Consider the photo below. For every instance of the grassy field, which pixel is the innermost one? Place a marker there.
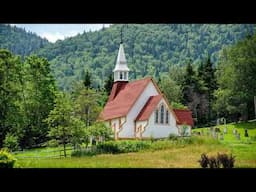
(169, 156)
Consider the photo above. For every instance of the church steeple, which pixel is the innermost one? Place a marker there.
(121, 71)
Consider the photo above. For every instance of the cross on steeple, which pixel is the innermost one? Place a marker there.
(121, 34)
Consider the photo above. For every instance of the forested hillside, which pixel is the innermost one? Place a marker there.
(19, 41)
(150, 49)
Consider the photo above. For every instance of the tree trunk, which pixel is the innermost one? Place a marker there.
(64, 145)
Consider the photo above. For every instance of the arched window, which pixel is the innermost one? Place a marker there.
(156, 116)
(121, 75)
(167, 117)
(162, 114)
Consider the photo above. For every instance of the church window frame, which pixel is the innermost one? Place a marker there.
(156, 116)
(162, 109)
(167, 116)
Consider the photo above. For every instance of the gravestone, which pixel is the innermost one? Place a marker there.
(215, 135)
(246, 132)
(221, 136)
(225, 130)
(238, 136)
(234, 132)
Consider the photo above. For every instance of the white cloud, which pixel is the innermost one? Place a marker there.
(54, 32)
(52, 37)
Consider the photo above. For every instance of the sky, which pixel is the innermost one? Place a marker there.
(54, 32)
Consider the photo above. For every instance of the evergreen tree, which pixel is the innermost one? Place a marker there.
(108, 84)
(87, 80)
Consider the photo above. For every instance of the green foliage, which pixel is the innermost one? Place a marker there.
(178, 105)
(7, 160)
(26, 97)
(64, 127)
(38, 94)
(19, 41)
(87, 80)
(87, 104)
(151, 49)
(108, 84)
(53, 143)
(170, 89)
(100, 130)
(81, 153)
(122, 146)
(10, 89)
(11, 142)
(236, 78)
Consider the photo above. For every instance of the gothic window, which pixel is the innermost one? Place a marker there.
(162, 114)
(156, 116)
(167, 117)
(121, 75)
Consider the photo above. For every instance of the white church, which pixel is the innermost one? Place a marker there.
(138, 109)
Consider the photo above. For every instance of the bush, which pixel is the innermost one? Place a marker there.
(227, 162)
(122, 146)
(53, 143)
(11, 142)
(204, 161)
(172, 136)
(86, 152)
(222, 160)
(6, 159)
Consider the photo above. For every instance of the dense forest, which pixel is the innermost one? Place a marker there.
(19, 41)
(151, 49)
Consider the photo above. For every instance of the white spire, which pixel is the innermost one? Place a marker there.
(121, 63)
(121, 69)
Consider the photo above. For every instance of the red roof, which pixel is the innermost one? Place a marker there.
(116, 88)
(149, 107)
(184, 116)
(122, 98)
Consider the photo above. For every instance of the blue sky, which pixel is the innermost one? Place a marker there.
(54, 32)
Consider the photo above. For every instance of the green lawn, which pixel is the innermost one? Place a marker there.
(165, 155)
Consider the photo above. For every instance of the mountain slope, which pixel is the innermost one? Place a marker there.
(19, 41)
(150, 48)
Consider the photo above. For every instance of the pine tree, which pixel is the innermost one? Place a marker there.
(87, 80)
(108, 84)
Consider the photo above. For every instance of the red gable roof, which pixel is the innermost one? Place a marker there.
(149, 107)
(184, 116)
(122, 98)
(117, 86)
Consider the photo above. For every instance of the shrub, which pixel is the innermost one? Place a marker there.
(108, 147)
(6, 159)
(86, 152)
(226, 161)
(11, 142)
(216, 162)
(172, 136)
(213, 162)
(204, 160)
(53, 143)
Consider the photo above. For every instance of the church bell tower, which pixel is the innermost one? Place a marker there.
(121, 71)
